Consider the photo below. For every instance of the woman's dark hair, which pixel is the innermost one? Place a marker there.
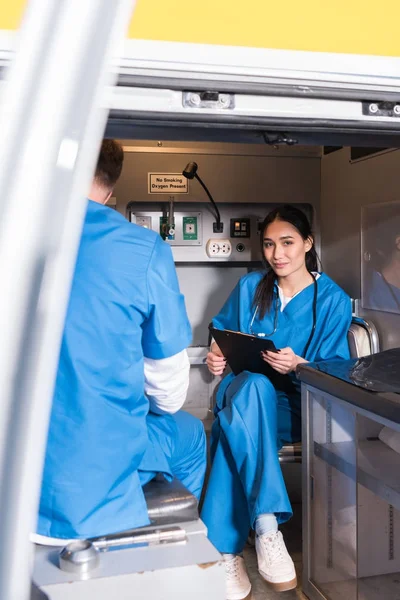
(264, 295)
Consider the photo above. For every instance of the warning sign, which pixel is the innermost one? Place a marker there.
(168, 183)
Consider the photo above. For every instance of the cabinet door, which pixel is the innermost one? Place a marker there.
(332, 551)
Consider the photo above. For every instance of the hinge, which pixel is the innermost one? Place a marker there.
(381, 109)
(208, 100)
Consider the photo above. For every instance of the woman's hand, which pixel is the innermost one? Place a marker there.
(215, 361)
(284, 361)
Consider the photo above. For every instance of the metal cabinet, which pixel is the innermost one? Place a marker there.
(351, 491)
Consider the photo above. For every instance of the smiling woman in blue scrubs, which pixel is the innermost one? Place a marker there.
(307, 316)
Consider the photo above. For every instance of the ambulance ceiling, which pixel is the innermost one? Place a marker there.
(292, 134)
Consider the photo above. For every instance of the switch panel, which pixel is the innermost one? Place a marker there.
(240, 228)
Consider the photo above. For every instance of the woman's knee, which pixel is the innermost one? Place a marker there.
(253, 387)
(254, 380)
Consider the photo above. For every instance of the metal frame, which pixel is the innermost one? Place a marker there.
(285, 111)
(51, 126)
(260, 71)
(224, 149)
(371, 330)
(290, 453)
(308, 588)
(295, 89)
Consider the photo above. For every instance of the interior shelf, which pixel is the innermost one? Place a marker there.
(377, 466)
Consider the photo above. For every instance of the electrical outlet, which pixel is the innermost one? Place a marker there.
(225, 248)
(212, 248)
(218, 248)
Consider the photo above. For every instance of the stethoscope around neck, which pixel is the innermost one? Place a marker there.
(276, 312)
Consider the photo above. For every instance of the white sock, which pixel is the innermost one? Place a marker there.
(265, 523)
(228, 557)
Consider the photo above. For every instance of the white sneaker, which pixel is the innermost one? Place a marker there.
(238, 585)
(274, 562)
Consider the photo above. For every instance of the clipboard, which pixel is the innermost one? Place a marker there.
(242, 352)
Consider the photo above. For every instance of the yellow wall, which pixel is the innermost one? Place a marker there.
(347, 26)
(10, 13)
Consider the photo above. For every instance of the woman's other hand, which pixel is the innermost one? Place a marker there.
(283, 362)
(215, 361)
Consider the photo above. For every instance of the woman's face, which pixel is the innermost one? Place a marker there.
(284, 248)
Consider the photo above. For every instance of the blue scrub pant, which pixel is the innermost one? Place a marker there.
(178, 449)
(253, 421)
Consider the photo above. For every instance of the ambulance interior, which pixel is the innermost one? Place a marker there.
(315, 129)
(343, 187)
(345, 183)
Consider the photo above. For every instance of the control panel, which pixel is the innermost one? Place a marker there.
(185, 229)
(188, 229)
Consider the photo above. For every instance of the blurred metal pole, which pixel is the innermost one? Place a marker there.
(52, 118)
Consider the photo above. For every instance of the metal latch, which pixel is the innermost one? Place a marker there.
(82, 556)
(166, 535)
(381, 109)
(208, 100)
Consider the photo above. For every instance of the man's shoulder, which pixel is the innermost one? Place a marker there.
(114, 229)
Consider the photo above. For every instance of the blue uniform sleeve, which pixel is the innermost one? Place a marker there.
(166, 330)
(228, 317)
(334, 344)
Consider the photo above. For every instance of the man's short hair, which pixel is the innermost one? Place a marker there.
(109, 164)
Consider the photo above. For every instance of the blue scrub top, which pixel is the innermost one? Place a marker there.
(125, 305)
(295, 321)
